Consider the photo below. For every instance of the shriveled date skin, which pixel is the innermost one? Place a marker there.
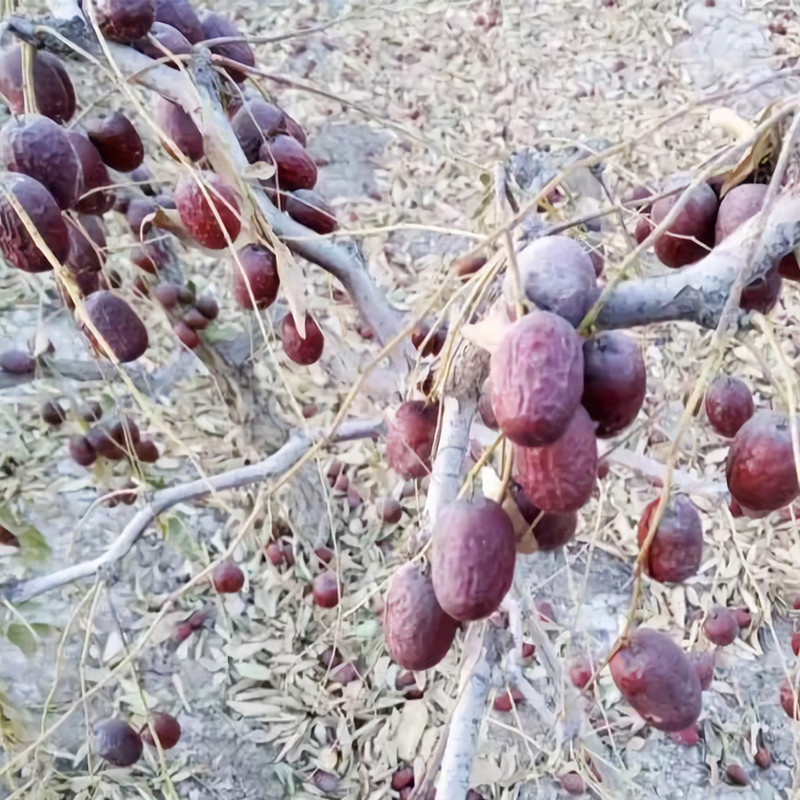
(16, 244)
(94, 177)
(559, 477)
(558, 275)
(180, 129)
(760, 468)
(540, 531)
(118, 324)
(536, 375)
(409, 439)
(472, 566)
(418, 632)
(52, 88)
(677, 545)
(115, 138)
(658, 680)
(125, 20)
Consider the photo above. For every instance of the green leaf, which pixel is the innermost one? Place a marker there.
(20, 636)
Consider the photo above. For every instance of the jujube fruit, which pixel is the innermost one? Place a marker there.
(472, 566)
(721, 626)
(52, 413)
(227, 578)
(123, 331)
(167, 730)
(729, 404)
(557, 275)
(656, 678)
(389, 510)
(254, 123)
(180, 130)
(167, 294)
(256, 273)
(125, 20)
(302, 349)
(691, 235)
(560, 477)
(168, 40)
(704, 664)
(117, 742)
(180, 15)
(580, 672)
(536, 376)
(195, 320)
(508, 699)
(325, 590)
(409, 439)
(762, 294)
(788, 700)
(115, 138)
(87, 244)
(146, 451)
(308, 208)
(677, 545)
(736, 775)
(81, 451)
(208, 307)
(549, 531)
(139, 216)
(418, 631)
(295, 130)
(614, 381)
(197, 215)
(186, 334)
(16, 362)
(429, 344)
(485, 406)
(40, 148)
(215, 26)
(96, 196)
(294, 167)
(760, 467)
(52, 88)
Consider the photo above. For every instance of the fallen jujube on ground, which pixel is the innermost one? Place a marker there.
(677, 545)
(472, 566)
(657, 679)
(418, 631)
(167, 730)
(721, 626)
(227, 578)
(536, 376)
(409, 438)
(117, 742)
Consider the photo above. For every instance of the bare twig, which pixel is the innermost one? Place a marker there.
(275, 464)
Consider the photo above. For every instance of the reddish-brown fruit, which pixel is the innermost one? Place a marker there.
(736, 775)
(118, 324)
(472, 566)
(466, 266)
(729, 404)
(703, 664)
(116, 742)
(7, 539)
(528, 650)
(580, 672)
(508, 699)
(258, 274)
(16, 362)
(763, 758)
(215, 26)
(16, 244)
(197, 215)
(168, 41)
(139, 216)
(96, 196)
(342, 483)
(560, 477)
(208, 307)
(789, 703)
(275, 552)
(677, 545)
(330, 658)
(81, 451)
(796, 603)
(100, 440)
(429, 344)
(254, 123)
(760, 468)
(796, 643)
(643, 228)
(180, 130)
(557, 275)
(721, 626)
(686, 738)
(324, 554)
(187, 336)
(195, 320)
(536, 376)
(92, 411)
(572, 783)
(409, 439)
(743, 618)
(614, 381)
(227, 578)
(403, 777)
(115, 138)
(346, 673)
(167, 730)
(326, 782)
(52, 413)
(146, 451)
(418, 631)
(305, 349)
(549, 531)
(87, 244)
(691, 235)
(546, 613)
(740, 204)
(52, 89)
(389, 510)
(294, 167)
(762, 294)
(186, 295)
(657, 679)
(326, 590)
(125, 20)
(149, 258)
(36, 146)
(167, 294)
(485, 406)
(295, 130)
(180, 15)
(308, 208)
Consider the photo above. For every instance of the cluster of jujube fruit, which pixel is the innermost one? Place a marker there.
(121, 745)
(62, 175)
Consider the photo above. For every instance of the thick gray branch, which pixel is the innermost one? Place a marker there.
(275, 464)
(698, 293)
